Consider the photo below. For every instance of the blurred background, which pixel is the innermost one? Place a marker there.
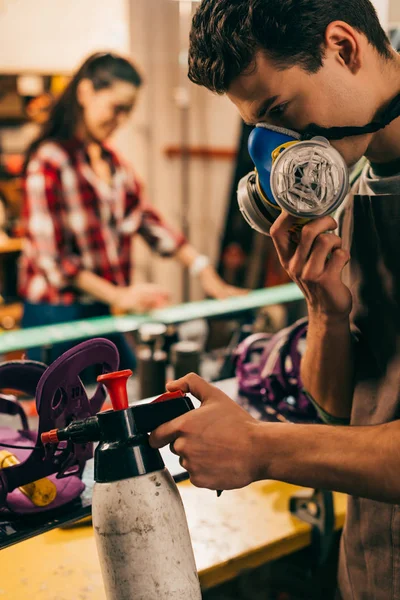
(188, 145)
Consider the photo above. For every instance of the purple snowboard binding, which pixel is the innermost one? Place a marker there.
(60, 399)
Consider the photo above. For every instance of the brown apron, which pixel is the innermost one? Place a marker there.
(370, 551)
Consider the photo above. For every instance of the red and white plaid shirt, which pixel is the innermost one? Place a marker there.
(74, 221)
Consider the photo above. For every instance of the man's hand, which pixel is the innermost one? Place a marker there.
(224, 448)
(216, 443)
(314, 259)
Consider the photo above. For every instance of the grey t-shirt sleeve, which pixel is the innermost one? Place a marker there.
(326, 417)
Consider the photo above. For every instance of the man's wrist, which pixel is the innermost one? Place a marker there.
(326, 321)
(263, 450)
(279, 451)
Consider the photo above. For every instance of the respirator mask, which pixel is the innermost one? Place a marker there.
(299, 173)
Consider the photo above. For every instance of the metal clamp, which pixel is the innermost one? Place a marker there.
(316, 508)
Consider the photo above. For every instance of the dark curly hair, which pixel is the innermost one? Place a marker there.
(226, 35)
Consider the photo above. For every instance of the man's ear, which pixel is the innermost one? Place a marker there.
(344, 41)
(84, 92)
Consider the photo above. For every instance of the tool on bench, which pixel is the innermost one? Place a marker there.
(138, 517)
(152, 359)
(316, 508)
(185, 358)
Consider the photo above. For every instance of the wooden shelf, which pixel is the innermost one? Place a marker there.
(11, 245)
(203, 152)
(12, 121)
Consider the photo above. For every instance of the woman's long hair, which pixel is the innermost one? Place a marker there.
(102, 69)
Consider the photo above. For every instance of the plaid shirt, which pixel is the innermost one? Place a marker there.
(75, 221)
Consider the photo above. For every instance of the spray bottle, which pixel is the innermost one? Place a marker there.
(139, 521)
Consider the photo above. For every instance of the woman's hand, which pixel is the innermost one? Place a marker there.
(141, 298)
(216, 443)
(314, 259)
(216, 287)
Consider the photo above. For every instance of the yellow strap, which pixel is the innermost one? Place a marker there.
(41, 492)
(281, 148)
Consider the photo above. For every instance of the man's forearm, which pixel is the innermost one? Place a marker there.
(360, 461)
(327, 368)
(95, 286)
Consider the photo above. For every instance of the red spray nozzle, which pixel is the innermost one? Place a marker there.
(50, 437)
(80, 432)
(169, 396)
(116, 386)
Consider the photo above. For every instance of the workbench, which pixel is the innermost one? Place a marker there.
(241, 530)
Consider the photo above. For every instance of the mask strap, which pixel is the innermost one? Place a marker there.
(391, 113)
(289, 132)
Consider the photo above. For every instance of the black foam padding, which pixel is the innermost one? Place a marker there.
(21, 375)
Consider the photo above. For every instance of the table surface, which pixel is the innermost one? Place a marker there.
(242, 529)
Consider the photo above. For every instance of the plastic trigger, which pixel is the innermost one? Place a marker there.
(168, 396)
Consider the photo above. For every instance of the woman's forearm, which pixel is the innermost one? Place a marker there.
(186, 255)
(96, 286)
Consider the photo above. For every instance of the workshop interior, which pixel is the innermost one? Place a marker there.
(100, 310)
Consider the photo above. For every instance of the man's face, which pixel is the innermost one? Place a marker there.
(294, 98)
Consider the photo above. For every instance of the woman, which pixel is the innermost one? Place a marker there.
(83, 206)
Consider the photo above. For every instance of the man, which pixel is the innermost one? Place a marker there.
(292, 63)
